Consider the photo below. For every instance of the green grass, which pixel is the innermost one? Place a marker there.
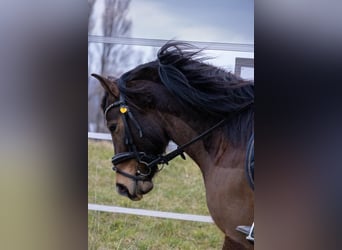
(177, 188)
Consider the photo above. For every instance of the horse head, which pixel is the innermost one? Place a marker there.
(138, 138)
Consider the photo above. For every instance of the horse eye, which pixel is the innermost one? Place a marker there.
(112, 127)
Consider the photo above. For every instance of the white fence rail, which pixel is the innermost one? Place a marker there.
(151, 213)
(142, 212)
(241, 47)
(99, 136)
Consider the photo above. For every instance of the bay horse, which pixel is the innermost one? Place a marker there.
(207, 111)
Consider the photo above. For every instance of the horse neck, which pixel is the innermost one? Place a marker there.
(181, 132)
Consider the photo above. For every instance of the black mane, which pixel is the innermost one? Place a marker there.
(209, 90)
(184, 73)
(193, 82)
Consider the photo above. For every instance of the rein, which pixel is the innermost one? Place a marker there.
(150, 161)
(179, 151)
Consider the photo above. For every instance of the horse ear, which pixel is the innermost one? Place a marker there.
(109, 85)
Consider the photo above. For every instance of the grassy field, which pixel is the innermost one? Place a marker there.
(178, 188)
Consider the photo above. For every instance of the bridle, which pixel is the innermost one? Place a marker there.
(151, 162)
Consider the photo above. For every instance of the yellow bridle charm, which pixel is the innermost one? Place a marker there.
(123, 109)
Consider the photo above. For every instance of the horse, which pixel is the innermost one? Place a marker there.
(207, 111)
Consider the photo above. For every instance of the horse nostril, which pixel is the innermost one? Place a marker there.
(121, 189)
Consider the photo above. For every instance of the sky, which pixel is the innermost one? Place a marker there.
(230, 21)
(212, 20)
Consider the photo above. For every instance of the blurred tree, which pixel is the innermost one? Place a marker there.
(115, 23)
(106, 18)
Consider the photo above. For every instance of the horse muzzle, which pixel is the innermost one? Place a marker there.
(134, 177)
(134, 190)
